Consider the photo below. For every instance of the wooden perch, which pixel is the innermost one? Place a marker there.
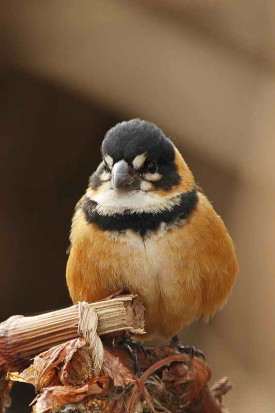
(71, 376)
(22, 338)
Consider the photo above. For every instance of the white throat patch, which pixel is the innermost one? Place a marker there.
(111, 201)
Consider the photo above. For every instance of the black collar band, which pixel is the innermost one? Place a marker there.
(142, 223)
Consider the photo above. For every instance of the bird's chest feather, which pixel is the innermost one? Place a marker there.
(140, 260)
(148, 266)
(155, 267)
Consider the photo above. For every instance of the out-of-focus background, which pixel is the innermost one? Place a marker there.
(204, 71)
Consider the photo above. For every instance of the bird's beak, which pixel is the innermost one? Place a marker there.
(123, 176)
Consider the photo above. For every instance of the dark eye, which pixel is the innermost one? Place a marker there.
(152, 167)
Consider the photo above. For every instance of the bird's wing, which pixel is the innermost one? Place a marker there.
(84, 279)
(214, 257)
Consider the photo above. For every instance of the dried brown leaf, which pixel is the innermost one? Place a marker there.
(78, 369)
(78, 363)
(176, 377)
(71, 364)
(56, 396)
(118, 372)
(199, 374)
(192, 379)
(15, 376)
(44, 372)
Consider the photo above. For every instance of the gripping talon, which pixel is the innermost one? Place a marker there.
(133, 346)
(192, 351)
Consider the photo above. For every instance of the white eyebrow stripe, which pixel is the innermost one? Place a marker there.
(152, 177)
(139, 161)
(109, 160)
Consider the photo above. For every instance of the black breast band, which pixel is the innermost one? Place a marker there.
(141, 222)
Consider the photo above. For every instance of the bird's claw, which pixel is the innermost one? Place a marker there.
(133, 346)
(190, 350)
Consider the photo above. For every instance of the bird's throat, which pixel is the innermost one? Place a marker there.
(140, 221)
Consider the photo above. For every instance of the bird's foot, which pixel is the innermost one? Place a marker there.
(133, 347)
(190, 350)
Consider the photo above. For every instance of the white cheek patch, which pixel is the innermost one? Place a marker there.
(109, 160)
(152, 177)
(139, 161)
(105, 176)
(146, 186)
(105, 187)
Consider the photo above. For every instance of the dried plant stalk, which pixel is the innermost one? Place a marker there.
(22, 338)
(70, 376)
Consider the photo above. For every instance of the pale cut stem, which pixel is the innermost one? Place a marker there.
(22, 338)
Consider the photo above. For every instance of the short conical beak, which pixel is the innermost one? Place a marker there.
(120, 173)
(123, 175)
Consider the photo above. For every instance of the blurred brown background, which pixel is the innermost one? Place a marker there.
(204, 71)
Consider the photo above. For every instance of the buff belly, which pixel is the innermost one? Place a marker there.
(155, 268)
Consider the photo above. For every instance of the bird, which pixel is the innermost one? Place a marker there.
(145, 227)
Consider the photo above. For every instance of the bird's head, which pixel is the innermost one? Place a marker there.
(141, 168)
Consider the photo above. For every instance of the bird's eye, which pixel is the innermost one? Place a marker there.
(152, 167)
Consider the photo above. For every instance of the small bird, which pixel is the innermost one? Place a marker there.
(143, 226)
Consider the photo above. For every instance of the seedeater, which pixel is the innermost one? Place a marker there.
(143, 226)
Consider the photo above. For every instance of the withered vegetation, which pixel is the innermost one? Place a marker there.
(71, 377)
